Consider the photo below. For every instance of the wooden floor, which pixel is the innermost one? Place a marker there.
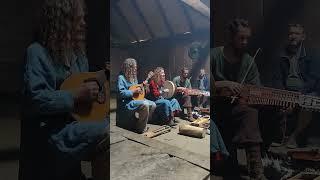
(127, 151)
(168, 156)
(133, 156)
(173, 153)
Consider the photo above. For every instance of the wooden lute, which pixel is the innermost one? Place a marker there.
(141, 95)
(99, 109)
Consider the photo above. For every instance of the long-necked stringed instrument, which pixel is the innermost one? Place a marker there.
(99, 109)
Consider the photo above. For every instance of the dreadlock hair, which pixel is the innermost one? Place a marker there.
(234, 26)
(297, 26)
(129, 71)
(184, 69)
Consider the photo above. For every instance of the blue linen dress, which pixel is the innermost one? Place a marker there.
(47, 111)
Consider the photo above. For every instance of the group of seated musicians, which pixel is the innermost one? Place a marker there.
(154, 108)
(232, 69)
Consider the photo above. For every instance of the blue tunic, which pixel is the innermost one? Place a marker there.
(48, 108)
(166, 107)
(126, 106)
(125, 95)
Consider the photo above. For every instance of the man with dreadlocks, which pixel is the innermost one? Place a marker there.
(166, 109)
(237, 122)
(53, 143)
(127, 107)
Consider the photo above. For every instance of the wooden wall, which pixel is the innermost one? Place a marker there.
(170, 54)
(179, 57)
(18, 22)
(117, 56)
(98, 36)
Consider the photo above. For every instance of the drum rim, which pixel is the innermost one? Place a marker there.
(172, 85)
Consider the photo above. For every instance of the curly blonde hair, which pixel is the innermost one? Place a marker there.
(157, 76)
(59, 28)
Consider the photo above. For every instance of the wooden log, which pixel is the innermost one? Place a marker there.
(192, 131)
(201, 122)
(157, 132)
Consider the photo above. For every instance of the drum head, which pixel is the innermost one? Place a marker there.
(171, 87)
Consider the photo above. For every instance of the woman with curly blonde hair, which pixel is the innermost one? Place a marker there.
(59, 142)
(166, 109)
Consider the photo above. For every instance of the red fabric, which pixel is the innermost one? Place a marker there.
(154, 89)
(218, 156)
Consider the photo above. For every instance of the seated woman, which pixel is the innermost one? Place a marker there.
(127, 107)
(165, 108)
(53, 143)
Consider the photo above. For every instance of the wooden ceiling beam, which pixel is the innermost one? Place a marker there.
(137, 8)
(165, 19)
(187, 15)
(198, 6)
(125, 20)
